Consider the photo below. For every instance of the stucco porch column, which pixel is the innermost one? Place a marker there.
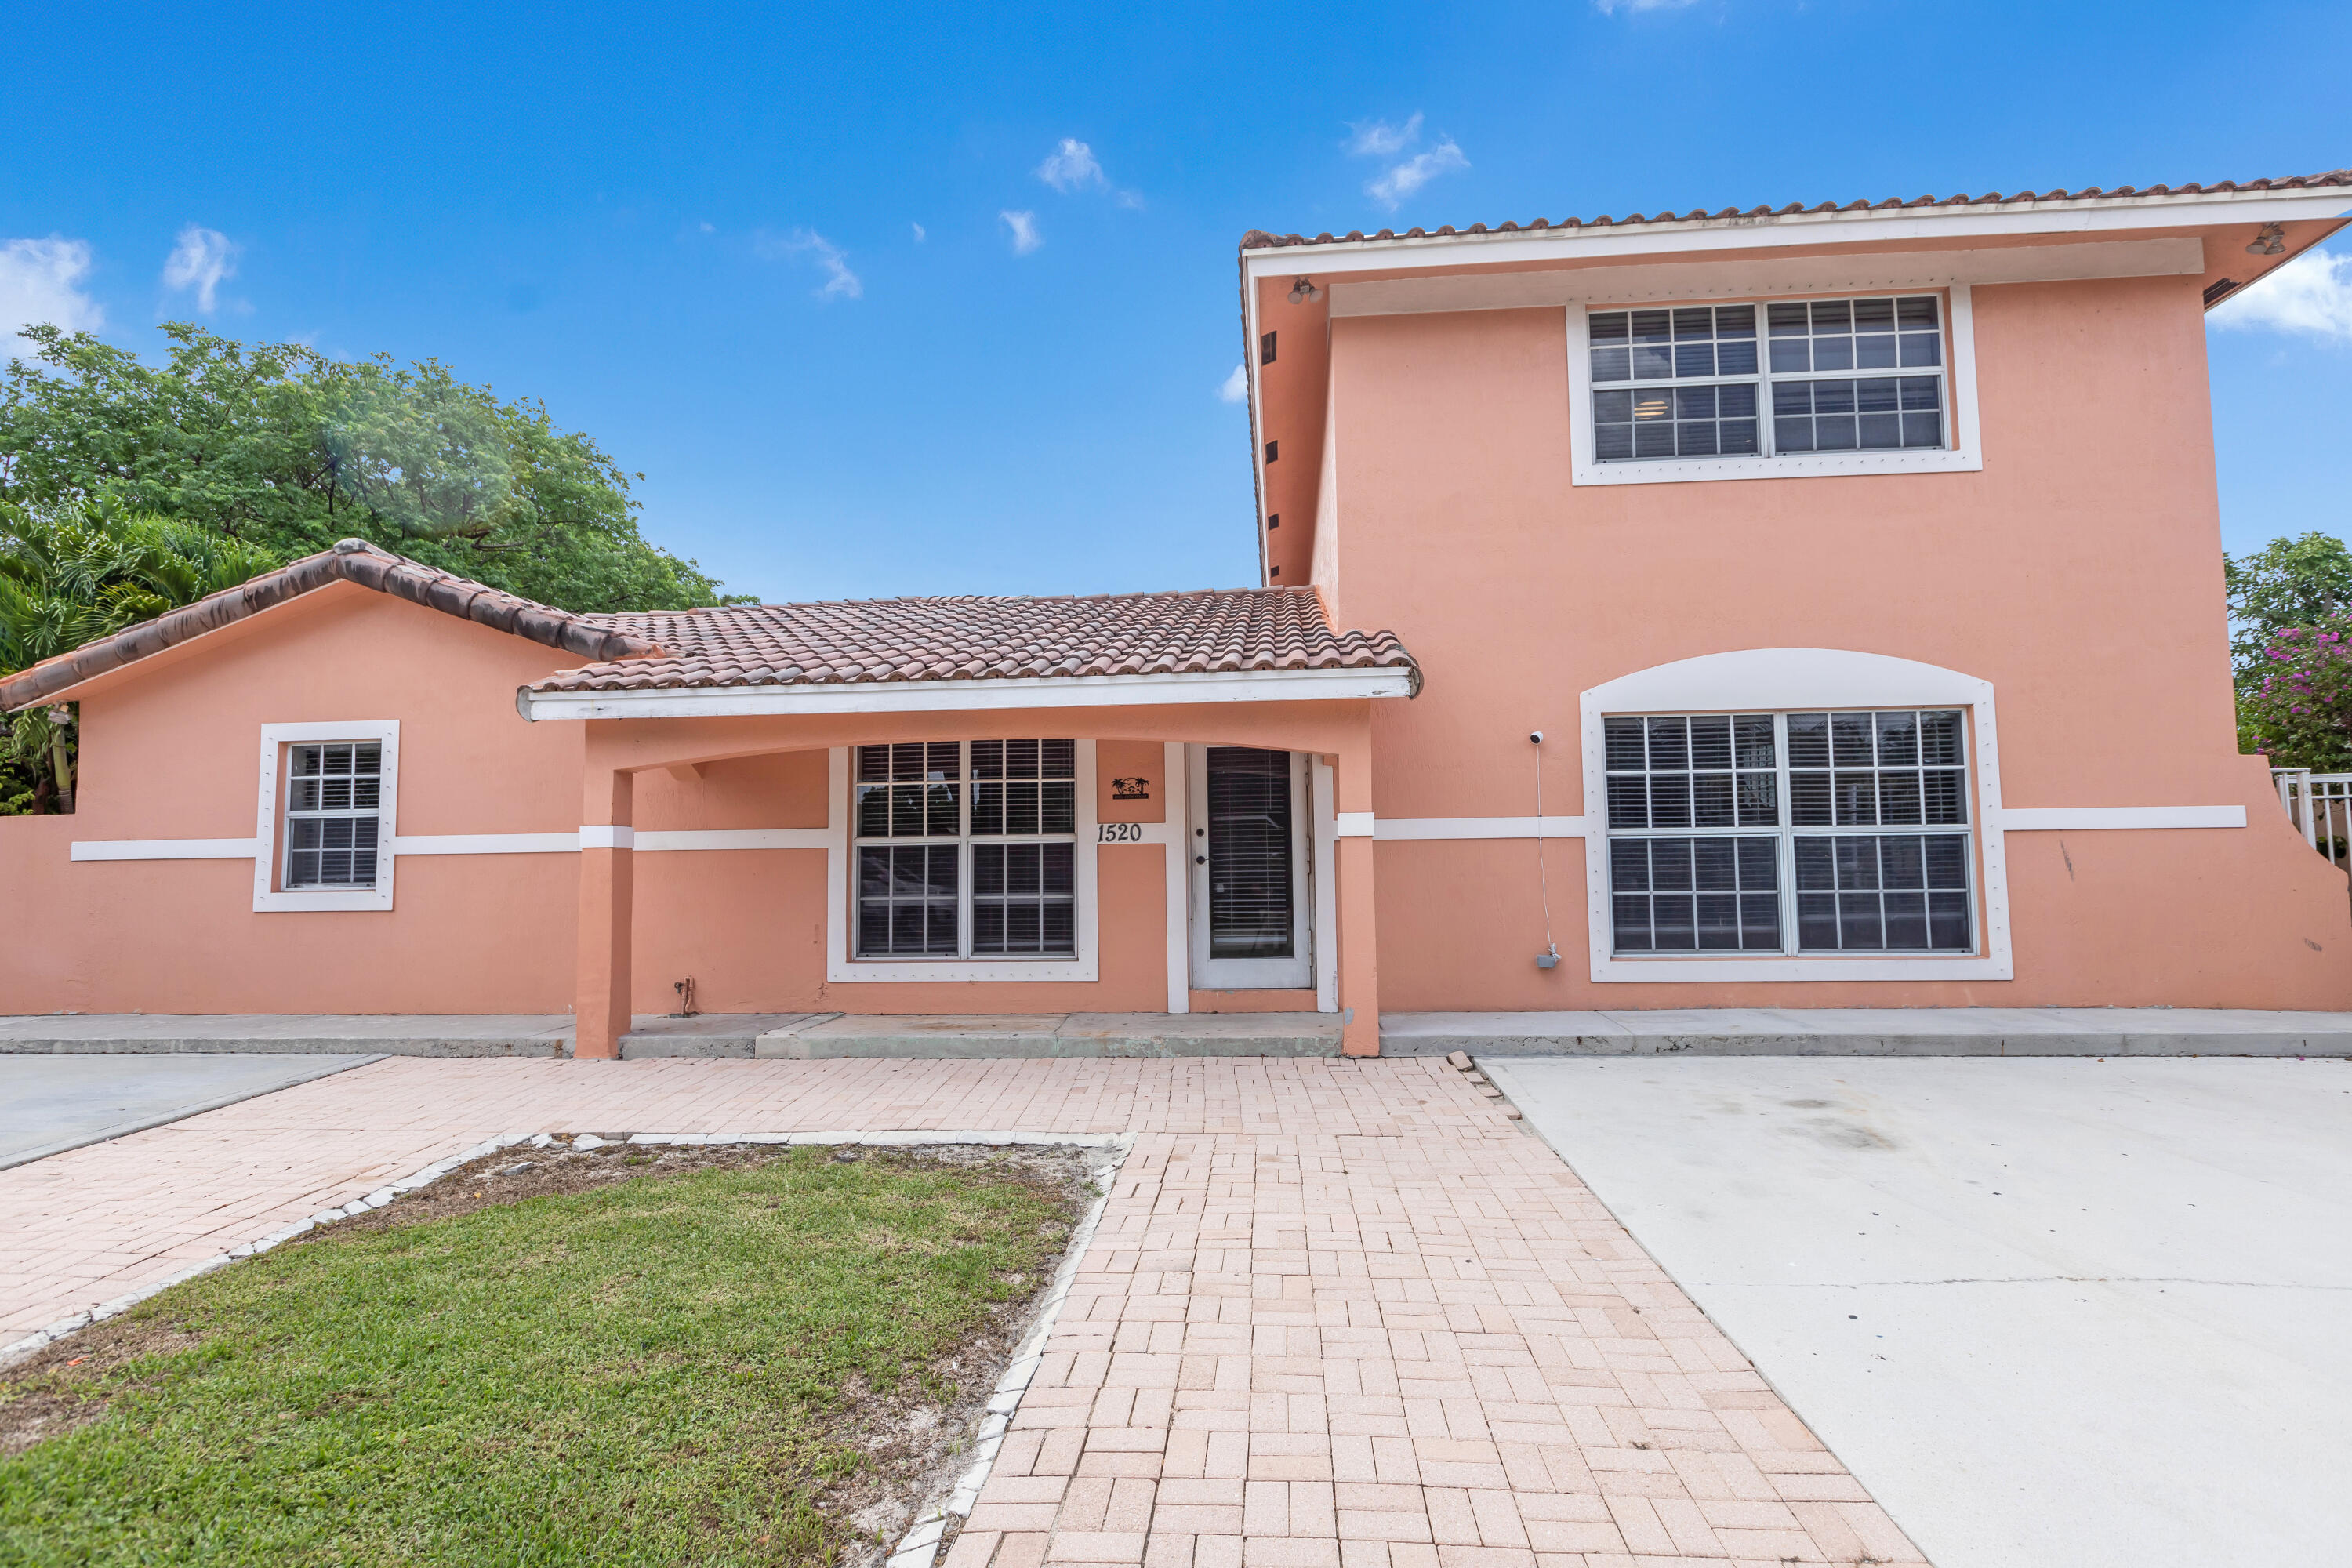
(1360, 950)
(607, 859)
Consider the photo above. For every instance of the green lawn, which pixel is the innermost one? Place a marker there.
(668, 1369)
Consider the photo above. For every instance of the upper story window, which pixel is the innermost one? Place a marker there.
(1746, 380)
(966, 848)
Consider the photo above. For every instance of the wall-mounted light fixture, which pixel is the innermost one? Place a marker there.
(2271, 241)
(1303, 291)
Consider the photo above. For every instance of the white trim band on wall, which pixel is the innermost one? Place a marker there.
(1386, 829)
(646, 843)
(608, 837)
(166, 848)
(1354, 825)
(2105, 818)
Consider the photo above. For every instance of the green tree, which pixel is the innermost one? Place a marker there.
(288, 450)
(75, 573)
(2298, 706)
(2287, 582)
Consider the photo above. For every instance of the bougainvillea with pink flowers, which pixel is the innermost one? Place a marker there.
(2299, 707)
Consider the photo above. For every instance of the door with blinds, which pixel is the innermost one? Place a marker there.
(1250, 896)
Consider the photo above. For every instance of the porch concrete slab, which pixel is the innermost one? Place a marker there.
(651, 1035)
(2096, 1313)
(1022, 1036)
(393, 1034)
(1875, 1031)
(704, 1035)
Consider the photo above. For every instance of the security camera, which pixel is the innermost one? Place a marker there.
(1535, 736)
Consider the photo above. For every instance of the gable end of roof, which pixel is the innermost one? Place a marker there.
(350, 561)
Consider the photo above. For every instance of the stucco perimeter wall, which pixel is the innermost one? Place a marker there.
(2080, 572)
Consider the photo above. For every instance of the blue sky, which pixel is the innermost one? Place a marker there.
(926, 301)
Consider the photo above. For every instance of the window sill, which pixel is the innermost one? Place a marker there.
(1790, 466)
(276, 900)
(944, 971)
(1672, 971)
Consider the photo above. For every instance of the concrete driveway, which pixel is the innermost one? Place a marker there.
(52, 1103)
(2048, 1311)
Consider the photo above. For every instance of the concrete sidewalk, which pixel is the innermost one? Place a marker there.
(1722, 1031)
(788, 1036)
(52, 1103)
(1874, 1032)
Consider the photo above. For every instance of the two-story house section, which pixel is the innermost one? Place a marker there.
(1860, 567)
(1809, 607)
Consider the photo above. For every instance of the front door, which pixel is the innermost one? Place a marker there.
(1250, 897)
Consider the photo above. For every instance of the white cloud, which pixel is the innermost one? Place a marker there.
(1611, 7)
(1023, 225)
(1072, 167)
(920, 235)
(840, 282)
(2310, 295)
(711, 228)
(1236, 386)
(1379, 139)
(40, 285)
(1402, 180)
(202, 259)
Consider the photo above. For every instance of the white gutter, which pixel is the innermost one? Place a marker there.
(972, 696)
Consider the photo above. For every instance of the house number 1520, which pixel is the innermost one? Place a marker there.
(1118, 833)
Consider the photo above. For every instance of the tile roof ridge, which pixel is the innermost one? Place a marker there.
(1262, 239)
(965, 599)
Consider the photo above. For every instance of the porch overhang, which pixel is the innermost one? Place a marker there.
(965, 696)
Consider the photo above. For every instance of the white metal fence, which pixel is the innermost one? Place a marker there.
(2321, 805)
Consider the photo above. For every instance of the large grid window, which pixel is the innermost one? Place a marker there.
(334, 802)
(966, 848)
(1688, 380)
(1841, 832)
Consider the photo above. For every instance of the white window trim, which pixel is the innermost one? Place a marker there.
(840, 854)
(1963, 455)
(1798, 679)
(1325, 867)
(267, 895)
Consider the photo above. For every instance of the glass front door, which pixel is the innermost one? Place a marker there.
(1249, 841)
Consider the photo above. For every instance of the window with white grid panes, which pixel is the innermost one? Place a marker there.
(966, 848)
(1823, 832)
(1830, 375)
(1902, 885)
(334, 799)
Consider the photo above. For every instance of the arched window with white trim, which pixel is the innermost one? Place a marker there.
(1794, 813)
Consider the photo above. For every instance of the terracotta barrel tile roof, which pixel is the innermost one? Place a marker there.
(350, 561)
(977, 638)
(1258, 239)
(795, 645)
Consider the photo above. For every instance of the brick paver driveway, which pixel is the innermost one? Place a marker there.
(1338, 1314)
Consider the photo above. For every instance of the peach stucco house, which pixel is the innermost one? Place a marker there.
(1858, 566)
